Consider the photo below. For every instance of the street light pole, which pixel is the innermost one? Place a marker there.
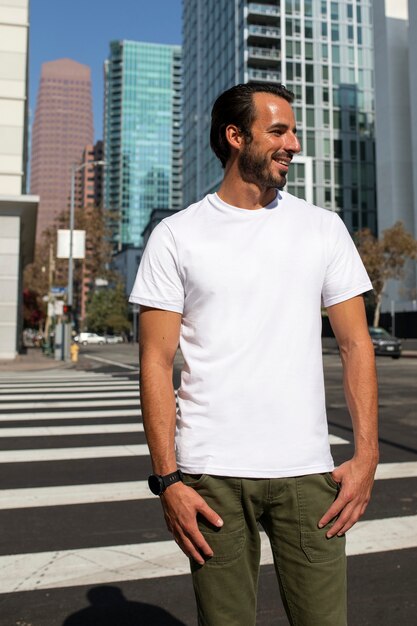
(75, 169)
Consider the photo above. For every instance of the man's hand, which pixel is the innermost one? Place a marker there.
(356, 478)
(181, 505)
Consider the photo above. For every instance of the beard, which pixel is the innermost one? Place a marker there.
(256, 169)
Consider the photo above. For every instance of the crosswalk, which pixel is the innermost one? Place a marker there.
(72, 441)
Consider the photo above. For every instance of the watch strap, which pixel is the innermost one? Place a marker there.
(170, 479)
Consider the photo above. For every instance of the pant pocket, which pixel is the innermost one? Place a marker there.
(227, 547)
(319, 549)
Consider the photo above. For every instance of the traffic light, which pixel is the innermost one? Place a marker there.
(67, 309)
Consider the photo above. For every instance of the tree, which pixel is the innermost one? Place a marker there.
(34, 309)
(47, 270)
(107, 311)
(385, 258)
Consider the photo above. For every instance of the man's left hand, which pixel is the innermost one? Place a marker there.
(356, 478)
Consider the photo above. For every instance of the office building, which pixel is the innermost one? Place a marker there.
(395, 23)
(17, 210)
(319, 49)
(142, 135)
(89, 201)
(62, 127)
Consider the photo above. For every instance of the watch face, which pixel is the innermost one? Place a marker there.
(155, 484)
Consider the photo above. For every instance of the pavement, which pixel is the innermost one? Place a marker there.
(34, 359)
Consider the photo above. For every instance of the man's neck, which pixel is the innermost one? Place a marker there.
(239, 193)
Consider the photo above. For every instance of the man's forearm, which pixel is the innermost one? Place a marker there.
(360, 385)
(158, 413)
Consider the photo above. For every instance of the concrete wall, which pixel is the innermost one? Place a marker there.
(396, 139)
(13, 90)
(392, 110)
(412, 21)
(9, 284)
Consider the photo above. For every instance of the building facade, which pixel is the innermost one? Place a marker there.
(62, 127)
(322, 51)
(142, 135)
(89, 200)
(395, 22)
(17, 210)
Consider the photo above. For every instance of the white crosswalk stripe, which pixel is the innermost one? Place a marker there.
(43, 402)
(92, 566)
(132, 490)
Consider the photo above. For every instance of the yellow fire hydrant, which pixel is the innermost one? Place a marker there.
(74, 350)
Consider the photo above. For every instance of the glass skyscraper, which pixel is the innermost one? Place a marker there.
(323, 52)
(142, 135)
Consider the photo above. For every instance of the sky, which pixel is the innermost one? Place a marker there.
(82, 29)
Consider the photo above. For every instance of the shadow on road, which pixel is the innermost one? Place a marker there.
(109, 607)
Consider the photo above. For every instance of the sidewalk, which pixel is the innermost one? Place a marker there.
(35, 360)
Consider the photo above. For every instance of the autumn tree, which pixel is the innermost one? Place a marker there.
(47, 270)
(385, 258)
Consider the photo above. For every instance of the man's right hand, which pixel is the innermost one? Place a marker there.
(181, 505)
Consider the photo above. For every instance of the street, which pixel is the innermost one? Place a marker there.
(84, 542)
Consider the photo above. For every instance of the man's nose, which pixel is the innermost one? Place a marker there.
(293, 144)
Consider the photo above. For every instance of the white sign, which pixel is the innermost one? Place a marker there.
(59, 307)
(78, 244)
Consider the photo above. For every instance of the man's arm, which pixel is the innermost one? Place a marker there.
(356, 476)
(159, 335)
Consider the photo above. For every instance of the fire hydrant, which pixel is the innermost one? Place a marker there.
(74, 350)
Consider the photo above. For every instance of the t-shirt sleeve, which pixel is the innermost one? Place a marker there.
(345, 276)
(158, 283)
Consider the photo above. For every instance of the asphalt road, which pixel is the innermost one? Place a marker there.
(63, 551)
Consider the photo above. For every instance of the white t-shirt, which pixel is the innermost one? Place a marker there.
(249, 285)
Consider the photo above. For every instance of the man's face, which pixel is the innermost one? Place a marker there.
(265, 159)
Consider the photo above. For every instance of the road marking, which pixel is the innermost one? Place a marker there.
(82, 429)
(130, 490)
(335, 441)
(74, 494)
(39, 388)
(41, 395)
(67, 382)
(70, 404)
(386, 471)
(69, 454)
(92, 566)
(60, 415)
(123, 365)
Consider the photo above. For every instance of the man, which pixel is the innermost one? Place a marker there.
(238, 278)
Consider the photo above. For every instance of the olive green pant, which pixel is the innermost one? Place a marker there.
(310, 568)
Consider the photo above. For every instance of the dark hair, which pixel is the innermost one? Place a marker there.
(235, 106)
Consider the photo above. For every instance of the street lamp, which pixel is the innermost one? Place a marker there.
(66, 339)
(75, 169)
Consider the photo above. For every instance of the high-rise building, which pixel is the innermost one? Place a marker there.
(17, 210)
(89, 199)
(395, 24)
(319, 49)
(62, 127)
(142, 135)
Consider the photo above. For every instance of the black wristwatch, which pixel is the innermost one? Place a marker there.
(158, 484)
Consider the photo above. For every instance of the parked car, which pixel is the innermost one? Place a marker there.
(114, 339)
(384, 343)
(86, 338)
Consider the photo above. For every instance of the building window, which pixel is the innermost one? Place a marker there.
(310, 118)
(310, 95)
(309, 51)
(309, 73)
(334, 10)
(311, 146)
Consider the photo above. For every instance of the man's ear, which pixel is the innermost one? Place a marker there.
(234, 136)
